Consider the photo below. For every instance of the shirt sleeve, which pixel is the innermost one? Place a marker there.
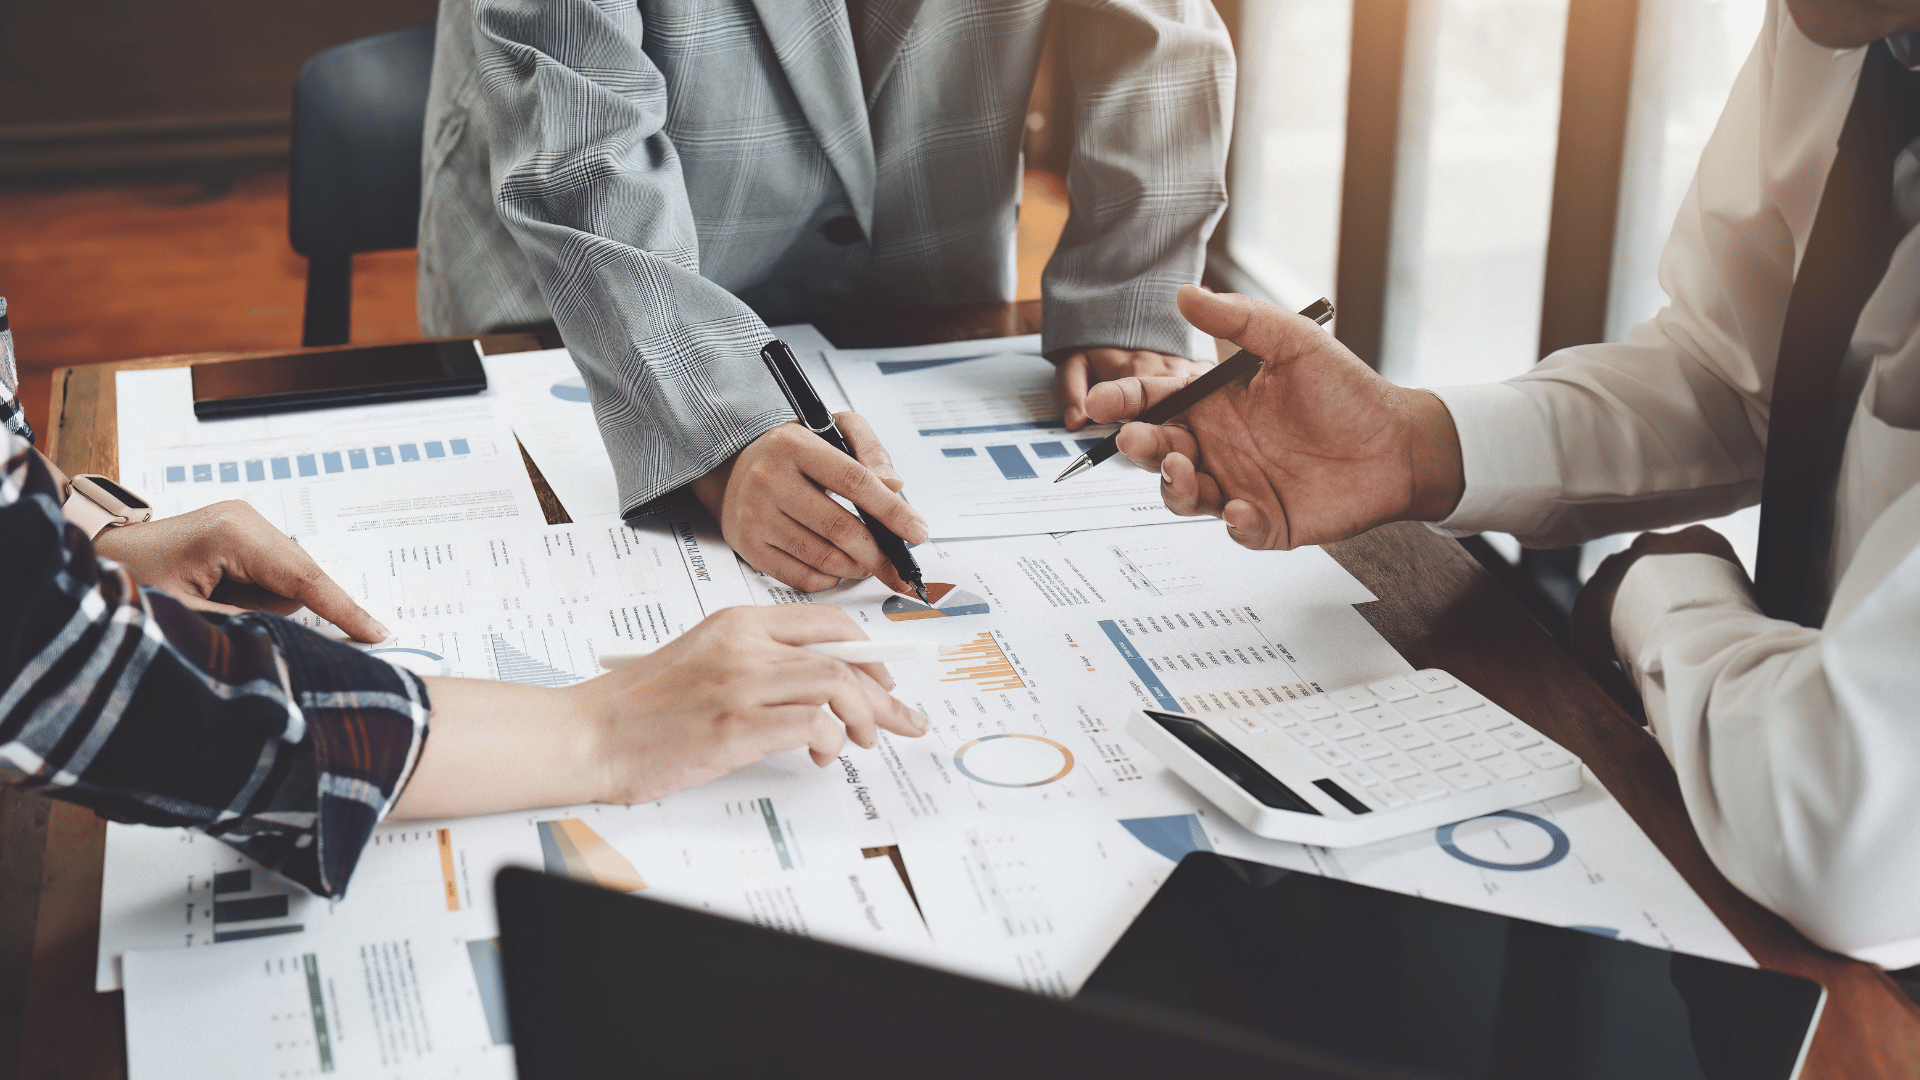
(13, 419)
(285, 745)
(589, 185)
(1795, 748)
(1153, 84)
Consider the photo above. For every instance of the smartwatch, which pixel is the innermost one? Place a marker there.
(95, 503)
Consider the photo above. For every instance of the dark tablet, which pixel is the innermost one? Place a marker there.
(1400, 983)
(272, 384)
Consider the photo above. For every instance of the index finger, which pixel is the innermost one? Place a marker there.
(278, 563)
(847, 477)
(805, 624)
(1070, 387)
(1124, 399)
(868, 448)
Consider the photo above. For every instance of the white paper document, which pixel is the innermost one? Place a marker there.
(325, 474)
(974, 428)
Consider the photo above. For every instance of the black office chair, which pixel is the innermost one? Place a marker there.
(358, 112)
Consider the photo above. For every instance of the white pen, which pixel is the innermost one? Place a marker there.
(852, 652)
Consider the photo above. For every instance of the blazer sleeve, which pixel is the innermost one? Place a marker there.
(590, 187)
(1152, 82)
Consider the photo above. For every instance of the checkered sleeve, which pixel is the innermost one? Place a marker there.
(590, 187)
(13, 419)
(1153, 85)
(285, 745)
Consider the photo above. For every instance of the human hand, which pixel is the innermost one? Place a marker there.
(228, 552)
(723, 695)
(1592, 621)
(772, 504)
(1073, 373)
(1314, 447)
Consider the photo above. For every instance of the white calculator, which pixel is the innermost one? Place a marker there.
(1365, 763)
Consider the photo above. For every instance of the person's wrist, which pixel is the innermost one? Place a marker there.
(1438, 476)
(590, 716)
(711, 487)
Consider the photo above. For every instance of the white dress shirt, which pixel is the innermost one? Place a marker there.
(1798, 750)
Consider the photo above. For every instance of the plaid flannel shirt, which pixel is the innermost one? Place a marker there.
(13, 420)
(283, 744)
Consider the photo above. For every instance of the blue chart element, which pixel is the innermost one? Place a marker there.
(409, 452)
(202, 473)
(1019, 771)
(490, 977)
(434, 450)
(256, 471)
(987, 429)
(572, 393)
(459, 445)
(1048, 450)
(1087, 444)
(1148, 677)
(1561, 845)
(895, 367)
(305, 461)
(1598, 931)
(332, 458)
(383, 455)
(282, 469)
(357, 458)
(229, 472)
(958, 451)
(176, 474)
(331, 461)
(1173, 836)
(1013, 464)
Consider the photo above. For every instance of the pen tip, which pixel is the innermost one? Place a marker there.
(921, 591)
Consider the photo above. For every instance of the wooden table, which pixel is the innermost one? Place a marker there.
(1438, 607)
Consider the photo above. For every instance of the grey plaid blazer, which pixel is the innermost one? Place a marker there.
(652, 174)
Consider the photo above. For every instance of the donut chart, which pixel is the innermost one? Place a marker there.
(418, 661)
(1559, 847)
(1013, 761)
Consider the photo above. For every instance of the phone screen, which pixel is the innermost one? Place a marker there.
(1444, 991)
(343, 377)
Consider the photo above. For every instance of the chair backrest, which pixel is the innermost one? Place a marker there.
(358, 111)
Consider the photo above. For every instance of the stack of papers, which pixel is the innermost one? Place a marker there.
(1031, 827)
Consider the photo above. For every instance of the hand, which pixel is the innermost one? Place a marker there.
(772, 504)
(725, 694)
(1592, 625)
(229, 551)
(1073, 373)
(1315, 447)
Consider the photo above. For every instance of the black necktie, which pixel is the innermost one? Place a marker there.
(1816, 386)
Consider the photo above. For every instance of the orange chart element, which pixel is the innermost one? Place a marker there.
(569, 847)
(983, 663)
(947, 602)
(446, 869)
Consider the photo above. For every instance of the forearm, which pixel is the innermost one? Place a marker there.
(1791, 745)
(501, 746)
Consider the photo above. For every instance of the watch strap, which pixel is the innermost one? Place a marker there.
(90, 516)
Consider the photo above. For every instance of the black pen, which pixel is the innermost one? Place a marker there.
(813, 413)
(1181, 400)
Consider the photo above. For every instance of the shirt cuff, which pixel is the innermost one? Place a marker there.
(1508, 459)
(1659, 585)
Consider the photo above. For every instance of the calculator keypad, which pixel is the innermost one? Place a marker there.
(1410, 739)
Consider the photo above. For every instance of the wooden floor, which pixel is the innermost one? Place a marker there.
(114, 273)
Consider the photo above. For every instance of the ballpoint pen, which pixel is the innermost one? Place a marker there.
(814, 415)
(1186, 397)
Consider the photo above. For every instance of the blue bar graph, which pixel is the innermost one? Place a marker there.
(409, 452)
(305, 462)
(229, 472)
(988, 429)
(357, 458)
(280, 469)
(202, 473)
(328, 462)
(383, 455)
(1048, 449)
(256, 471)
(434, 450)
(1013, 464)
(176, 474)
(958, 451)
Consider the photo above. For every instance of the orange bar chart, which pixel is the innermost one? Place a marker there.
(983, 663)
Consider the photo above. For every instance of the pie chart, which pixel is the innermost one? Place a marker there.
(947, 601)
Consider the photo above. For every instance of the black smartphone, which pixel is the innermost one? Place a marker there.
(274, 384)
(1414, 987)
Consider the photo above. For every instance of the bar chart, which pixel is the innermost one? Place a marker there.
(320, 463)
(983, 663)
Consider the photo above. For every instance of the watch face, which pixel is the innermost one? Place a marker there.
(126, 498)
